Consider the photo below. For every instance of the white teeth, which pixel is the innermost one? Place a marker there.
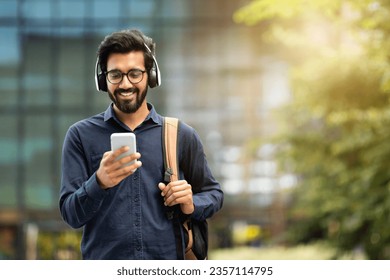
(126, 93)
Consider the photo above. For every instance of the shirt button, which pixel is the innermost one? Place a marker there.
(138, 248)
(136, 199)
(135, 177)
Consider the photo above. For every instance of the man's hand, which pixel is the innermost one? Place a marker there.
(112, 171)
(178, 192)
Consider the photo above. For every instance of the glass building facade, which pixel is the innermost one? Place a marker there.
(211, 73)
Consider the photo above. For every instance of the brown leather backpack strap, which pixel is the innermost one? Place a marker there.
(170, 146)
(187, 226)
(189, 254)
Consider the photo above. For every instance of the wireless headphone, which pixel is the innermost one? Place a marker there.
(154, 76)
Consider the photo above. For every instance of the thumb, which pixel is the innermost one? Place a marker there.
(161, 186)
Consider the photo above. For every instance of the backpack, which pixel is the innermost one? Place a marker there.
(195, 232)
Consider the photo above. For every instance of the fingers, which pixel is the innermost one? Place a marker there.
(119, 151)
(177, 192)
(124, 170)
(112, 156)
(112, 170)
(118, 158)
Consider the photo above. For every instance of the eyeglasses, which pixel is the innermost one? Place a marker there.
(134, 75)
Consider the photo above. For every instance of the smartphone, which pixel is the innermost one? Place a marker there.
(119, 140)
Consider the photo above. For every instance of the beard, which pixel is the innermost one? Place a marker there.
(128, 106)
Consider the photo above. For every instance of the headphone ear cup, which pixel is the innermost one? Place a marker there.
(152, 77)
(102, 82)
(100, 78)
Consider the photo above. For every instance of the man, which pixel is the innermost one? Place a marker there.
(122, 209)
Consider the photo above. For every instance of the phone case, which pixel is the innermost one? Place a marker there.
(119, 140)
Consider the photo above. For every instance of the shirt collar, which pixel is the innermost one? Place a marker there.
(156, 118)
(153, 115)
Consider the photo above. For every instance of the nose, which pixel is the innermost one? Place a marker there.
(125, 83)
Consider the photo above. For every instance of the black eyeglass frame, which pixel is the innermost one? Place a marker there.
(125, 74)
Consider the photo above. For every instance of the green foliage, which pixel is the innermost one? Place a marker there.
(314, 251)
(338, 139)
(59, 245)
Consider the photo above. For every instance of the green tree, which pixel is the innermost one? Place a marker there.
(336, 136)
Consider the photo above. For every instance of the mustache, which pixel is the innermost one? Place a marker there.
(131, 90)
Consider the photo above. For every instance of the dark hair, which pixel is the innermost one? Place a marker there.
(123, 42)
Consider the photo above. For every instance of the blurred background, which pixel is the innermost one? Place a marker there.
(290, 98)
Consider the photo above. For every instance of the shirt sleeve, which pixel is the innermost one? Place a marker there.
(80, 193)
(207, 192)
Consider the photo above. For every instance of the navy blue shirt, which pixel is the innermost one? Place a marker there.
(129, 220)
